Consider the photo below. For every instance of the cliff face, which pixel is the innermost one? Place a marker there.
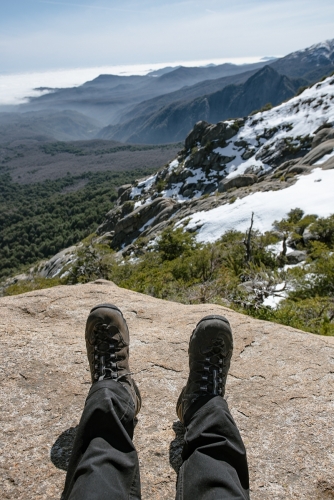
(280, 392)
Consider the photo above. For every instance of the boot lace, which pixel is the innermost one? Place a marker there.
(106, 349)
(213, 373)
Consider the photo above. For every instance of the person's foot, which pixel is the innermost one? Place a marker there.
(107, 342)
(210, 352)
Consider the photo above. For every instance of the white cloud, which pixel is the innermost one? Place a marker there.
(16, 87)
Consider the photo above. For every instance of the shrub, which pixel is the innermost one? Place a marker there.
(175, 242)
(324, 228)
(266, 107)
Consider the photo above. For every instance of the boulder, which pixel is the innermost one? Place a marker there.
(248, 154)
(317, 153)
(298, 169)
(286, 164)
(210, 188)
(237, 182)
(241, 144)
(226, 159)
(56, 264)
(296, 256)
(111, 219)
(188, 187)
(221, 131)
(123, 188)
(309, 235)
(125, 196)
(279, 391)
(198, 158)
(325, 134)
(329, 164)
(195, 135)
(130, 227)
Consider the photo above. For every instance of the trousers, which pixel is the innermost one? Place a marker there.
(104, 463)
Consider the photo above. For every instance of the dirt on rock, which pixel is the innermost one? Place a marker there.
(280, 392)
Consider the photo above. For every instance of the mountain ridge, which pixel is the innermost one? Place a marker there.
(113, 100)
(170, 124)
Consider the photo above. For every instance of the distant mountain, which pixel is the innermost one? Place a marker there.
(108, 97)
(169, 117)
(173, 122)
(184, 94)
(190, 76)
(164, 105)
(162, 71)
(311, 63)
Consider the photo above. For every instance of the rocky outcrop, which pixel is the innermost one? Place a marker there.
(199, 172)
(237, 182)
(128, 228)
(205, 133)
(266, 151)
(296, 257)
(318, 152)
(56, 264)
(324, 134)
(280, 392)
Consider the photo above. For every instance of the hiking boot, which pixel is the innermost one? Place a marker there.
(210, 352)
(107, 343)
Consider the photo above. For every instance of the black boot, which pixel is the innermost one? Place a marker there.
(210, 352)
(107, 342)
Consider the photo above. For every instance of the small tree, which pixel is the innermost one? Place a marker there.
(247, 241)
(176, 242)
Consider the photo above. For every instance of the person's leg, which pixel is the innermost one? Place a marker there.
(215, 463)
(104, 462)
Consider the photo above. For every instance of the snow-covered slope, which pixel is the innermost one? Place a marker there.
(311, 63)
(258, 145)
(313, 193)
(317, 52)
(267, 163)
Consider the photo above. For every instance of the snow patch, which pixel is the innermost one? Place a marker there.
(147, 224)
(143, 186)
(324, 158)
(173, 165)
(307, 194)
(273, 301)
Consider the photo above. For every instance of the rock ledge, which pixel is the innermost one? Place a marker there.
(280, 391)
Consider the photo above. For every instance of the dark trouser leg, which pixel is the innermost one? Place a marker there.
(104, 463)
(215, 463)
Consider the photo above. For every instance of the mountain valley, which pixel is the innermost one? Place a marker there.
(163, 106)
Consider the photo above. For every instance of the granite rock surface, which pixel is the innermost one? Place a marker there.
(280, 392)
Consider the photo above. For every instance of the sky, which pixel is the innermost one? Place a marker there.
(44, 35)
